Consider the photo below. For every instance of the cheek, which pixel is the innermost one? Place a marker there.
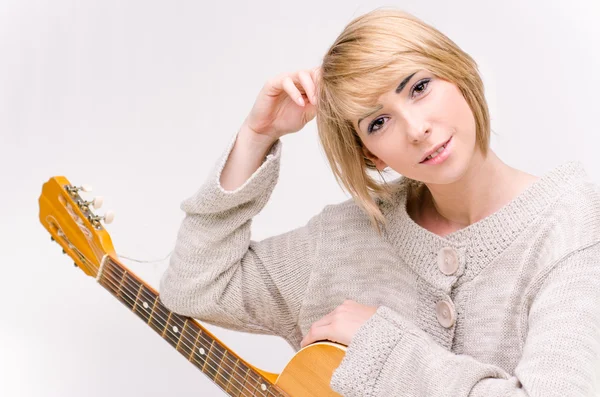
(397, 156)
(457, 109)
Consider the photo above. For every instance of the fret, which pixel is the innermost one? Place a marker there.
(256, 383)
(157, 316)
(236, 383)
(224, 371)
(249, 385)
(144, 303)
(120, 280)
(186, 336)
(128, 290)
(166, 325)
(246, 391)
(111, 277)
(201, 349)
(189, 335)
(214, 356)
(183, 342)
(137, 298)
(117, 273)
(105, 281)
(174, 329)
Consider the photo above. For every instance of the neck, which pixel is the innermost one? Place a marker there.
(188, 337)
(487, 185)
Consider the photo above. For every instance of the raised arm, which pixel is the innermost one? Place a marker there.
(217, 273)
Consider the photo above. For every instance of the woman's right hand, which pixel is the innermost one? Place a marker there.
(284, 104)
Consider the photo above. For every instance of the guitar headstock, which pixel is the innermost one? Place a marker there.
(72, 224)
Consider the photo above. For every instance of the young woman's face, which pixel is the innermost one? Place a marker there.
(425, 113)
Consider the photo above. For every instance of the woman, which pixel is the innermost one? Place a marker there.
(464, 277)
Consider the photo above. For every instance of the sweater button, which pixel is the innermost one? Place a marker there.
(448, 260)
(445, 313)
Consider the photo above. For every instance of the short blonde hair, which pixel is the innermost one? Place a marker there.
(366, 60)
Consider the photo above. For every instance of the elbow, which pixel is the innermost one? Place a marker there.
(186, 297)
(169, 297)
(176, 296)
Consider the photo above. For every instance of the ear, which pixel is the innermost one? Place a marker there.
(376, 160)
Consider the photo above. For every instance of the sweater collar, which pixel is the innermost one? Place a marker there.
(479, 243)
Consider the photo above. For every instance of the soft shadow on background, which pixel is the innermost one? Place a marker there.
(139, 98)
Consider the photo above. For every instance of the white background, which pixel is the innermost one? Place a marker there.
(139, 98)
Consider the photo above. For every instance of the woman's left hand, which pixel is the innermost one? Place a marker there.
(341, 324)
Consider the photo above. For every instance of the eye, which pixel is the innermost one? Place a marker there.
(375, 123)
(423, 83)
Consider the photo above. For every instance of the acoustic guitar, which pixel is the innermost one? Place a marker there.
(81, 234)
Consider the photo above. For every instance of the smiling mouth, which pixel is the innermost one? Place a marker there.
(437, 152)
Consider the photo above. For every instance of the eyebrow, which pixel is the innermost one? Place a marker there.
(399, 89)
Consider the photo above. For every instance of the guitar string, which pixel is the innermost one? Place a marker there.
(99, 251)
(188, 346)
(113, 281)
(94, 247)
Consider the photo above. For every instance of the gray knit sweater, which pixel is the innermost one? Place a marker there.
(508, 306)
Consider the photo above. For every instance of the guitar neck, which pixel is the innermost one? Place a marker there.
(187, 336)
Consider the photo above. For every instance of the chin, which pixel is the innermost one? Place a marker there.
(450, 171)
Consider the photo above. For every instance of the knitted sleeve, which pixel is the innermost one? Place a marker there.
(218, 274)
(389, 356)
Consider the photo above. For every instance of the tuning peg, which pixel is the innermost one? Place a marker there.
(96, 202)
(75, 189)
(109, 216)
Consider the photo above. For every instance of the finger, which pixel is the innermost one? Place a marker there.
(317, 333)
(280, 83)
(308, 85)
(323, 321)
(330, 317)
(315, 73)
(292, 90)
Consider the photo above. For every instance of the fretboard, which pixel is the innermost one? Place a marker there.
(189, 338)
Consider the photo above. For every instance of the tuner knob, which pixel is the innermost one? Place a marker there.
(97, 202)
(109, 216)
(86, 188)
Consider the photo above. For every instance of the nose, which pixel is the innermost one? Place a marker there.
(417, 126)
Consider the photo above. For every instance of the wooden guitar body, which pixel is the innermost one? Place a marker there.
(309, 372)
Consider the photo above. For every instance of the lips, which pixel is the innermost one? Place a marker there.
(434, 150)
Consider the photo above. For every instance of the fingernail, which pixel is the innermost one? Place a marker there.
(301, 101)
